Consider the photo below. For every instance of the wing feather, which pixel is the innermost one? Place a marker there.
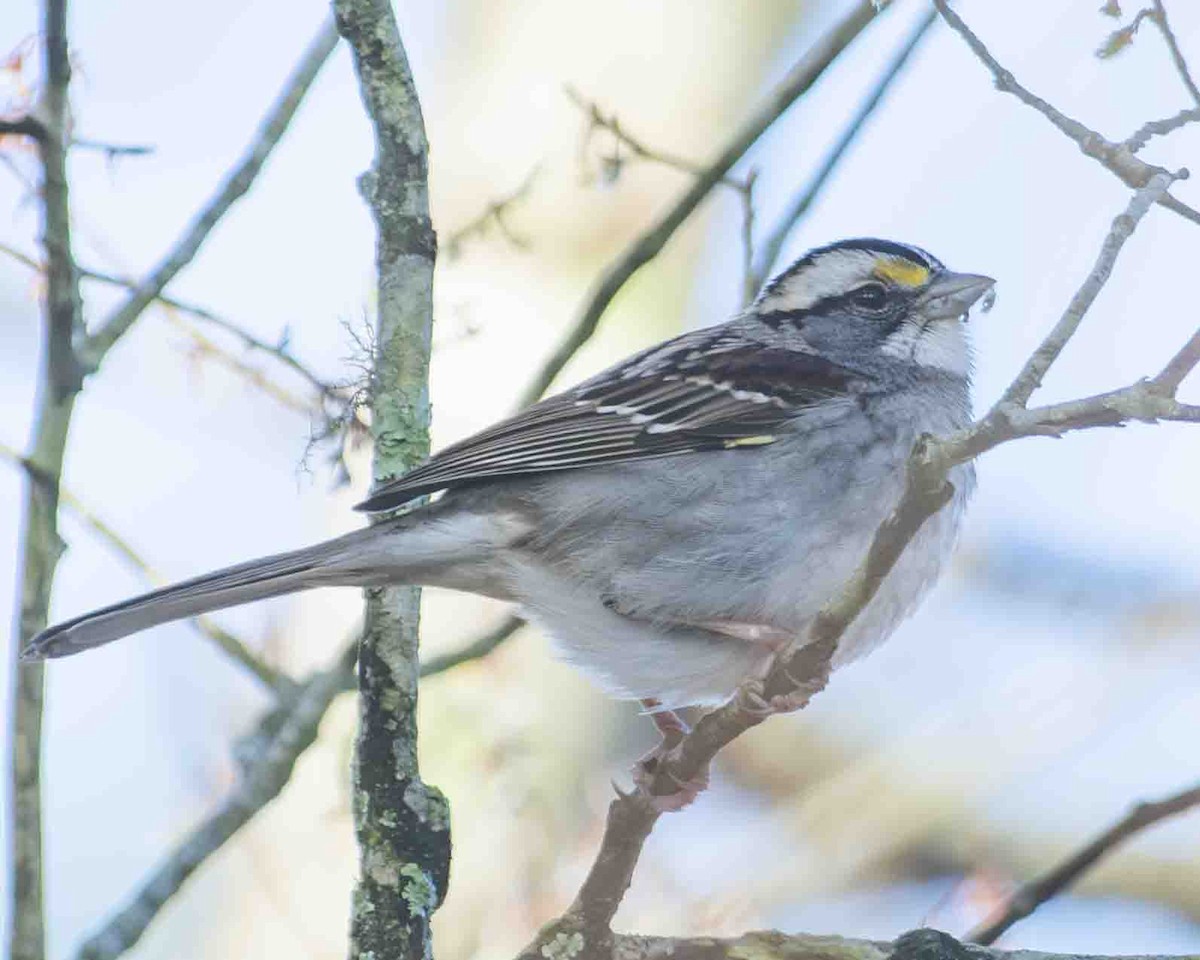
(701, 391)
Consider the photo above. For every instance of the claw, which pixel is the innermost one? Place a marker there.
(672, 729)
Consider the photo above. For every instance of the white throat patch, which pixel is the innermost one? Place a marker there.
(942, 344)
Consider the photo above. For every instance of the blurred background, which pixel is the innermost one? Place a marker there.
(1048, 683)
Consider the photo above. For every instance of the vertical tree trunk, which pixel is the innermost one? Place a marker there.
(41, 546)
(402, 824)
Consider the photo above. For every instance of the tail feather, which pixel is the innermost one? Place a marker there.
(326, 564)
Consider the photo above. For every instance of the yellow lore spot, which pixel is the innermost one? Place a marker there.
(904, 272)
(759, 441)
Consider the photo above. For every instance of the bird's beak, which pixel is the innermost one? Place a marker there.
(951, 295)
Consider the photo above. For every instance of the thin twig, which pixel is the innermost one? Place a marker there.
(749, 284)
(277, 351)
(234, 647)
(475, 650)
(267, 761)
(1033, 894)
(772, 247)
(647, 245)
(1160, 128)
(599, 120)
(1180, 365)
(235, 186)
(495, 213)
(26, 126)
(113, 150)
(1164, 27)
(1117, 158)
(1036, 367)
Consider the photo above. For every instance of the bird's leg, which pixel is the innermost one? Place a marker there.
(672, 729)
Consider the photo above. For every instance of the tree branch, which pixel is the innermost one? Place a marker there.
(1117, 158)
(773, 945)
(239, 181)
(646, 246)
(277, 351)
(41, 546)
(402, 824)
(1036, 367)
(1160, 128)
(772, 247)
(1164, 27)
(1180, 365)
(1033, 894)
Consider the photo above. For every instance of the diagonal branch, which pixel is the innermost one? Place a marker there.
(1036, 367)
(773, 945)
(646, 246)
(1033, 894)
(1180, 365)
(240, 179)
(1164, 27)
(773, 246)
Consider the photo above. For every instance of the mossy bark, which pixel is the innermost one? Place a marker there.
(402, 824)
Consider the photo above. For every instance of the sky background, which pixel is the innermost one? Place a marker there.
(1048, 683)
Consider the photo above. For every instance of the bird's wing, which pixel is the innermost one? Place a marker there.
(707, 390)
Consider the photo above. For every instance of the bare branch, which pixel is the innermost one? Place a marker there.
(240, 179)
(41, 545)
(1117, 158)
(1160, 128)
(1180, 365)
(599, 120)
(1030, 377)
(267, 759)
(337, 396)
(773, 945)
(749, 284)
(1164, 26)
(231, 644)
(1033, 894)
(26, 126)
(646, 246)
(475, 650)
(495, 214)
(113, 150)
(772, 247)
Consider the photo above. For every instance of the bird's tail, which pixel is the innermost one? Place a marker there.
(333, 563)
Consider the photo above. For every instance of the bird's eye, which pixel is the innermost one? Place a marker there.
(872, 296)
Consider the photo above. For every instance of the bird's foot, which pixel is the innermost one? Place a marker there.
(647, 770)
(752, 698)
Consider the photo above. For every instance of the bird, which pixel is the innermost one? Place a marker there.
(678, 520)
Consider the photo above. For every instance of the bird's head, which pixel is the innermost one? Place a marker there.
(869, 301)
